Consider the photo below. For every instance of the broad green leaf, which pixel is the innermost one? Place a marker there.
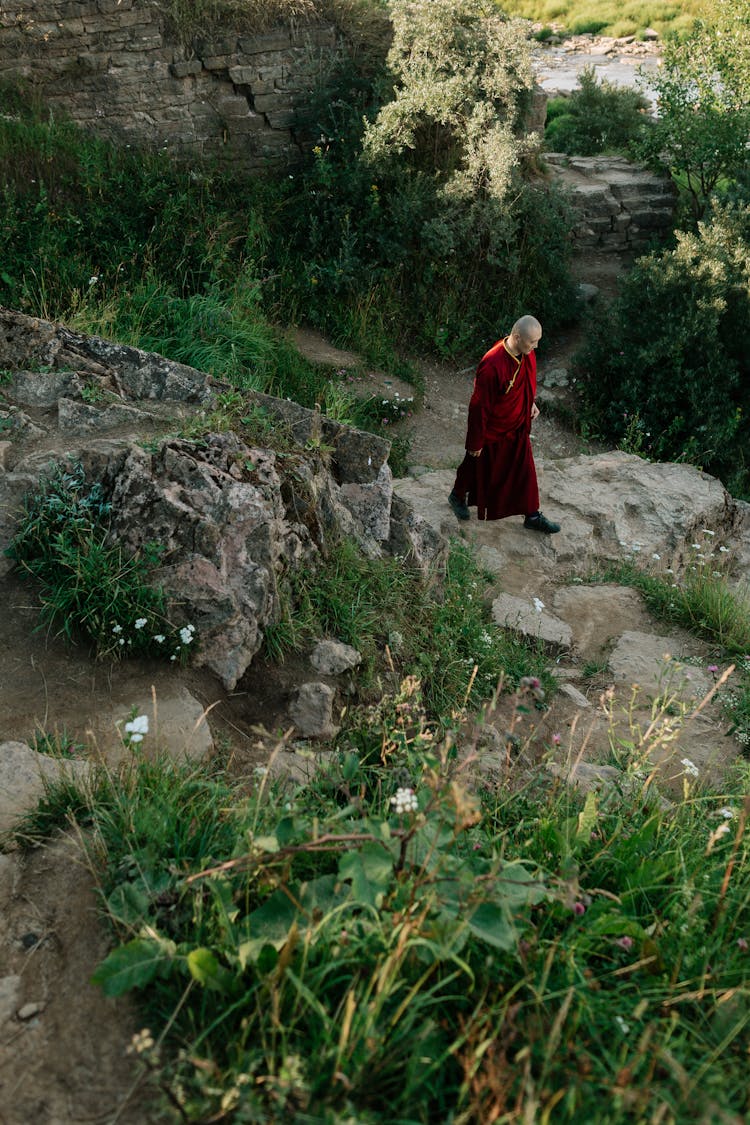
(205, 967)
(378, 864)
(517, 887)
(617, 924)
(286, 830)
(273, 919)
(133, 965)
(491, 924)
(128, 903)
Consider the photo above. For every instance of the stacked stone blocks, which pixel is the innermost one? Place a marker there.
(112, 68)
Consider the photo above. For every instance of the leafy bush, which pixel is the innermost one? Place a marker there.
(703, 97)
(89, 586)
(598, 116)
(670, 359)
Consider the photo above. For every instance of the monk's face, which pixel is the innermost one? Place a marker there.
(528, 343)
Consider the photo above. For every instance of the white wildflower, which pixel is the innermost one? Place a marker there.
(186, 635)
(405, 800)
(656, 556)
(117, 628)
(538, 605)
(623, 1026)
(137, 727)
(141, 621)
(727, 812)
(723, 550)
(706, 531)
(696, 546)
(159, 638)
(690, 767)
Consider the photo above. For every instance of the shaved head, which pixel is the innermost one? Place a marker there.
(524, 336)
(527, 327)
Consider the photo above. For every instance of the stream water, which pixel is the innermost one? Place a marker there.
(558, 69)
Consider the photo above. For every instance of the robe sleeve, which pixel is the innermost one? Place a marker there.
(488, 387)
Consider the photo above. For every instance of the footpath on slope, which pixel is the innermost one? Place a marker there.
(632, 690)
(600, 639)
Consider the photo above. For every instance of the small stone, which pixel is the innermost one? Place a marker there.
(331, 658)
(28, 1011)
(587, 292)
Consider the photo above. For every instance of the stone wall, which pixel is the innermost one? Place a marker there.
(111, 66)
(620, 205)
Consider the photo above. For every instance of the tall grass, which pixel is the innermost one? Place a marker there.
(702, 598)
(603, 17)
(384, 945)
(440, 633)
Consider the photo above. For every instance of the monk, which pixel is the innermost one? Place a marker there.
(498, 475)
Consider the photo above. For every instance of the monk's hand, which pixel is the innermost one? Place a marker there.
(475, 452)
(534, 411)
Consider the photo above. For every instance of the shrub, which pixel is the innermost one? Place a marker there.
(90, 587)
(670, 360)
(703, 96)
(596, 117)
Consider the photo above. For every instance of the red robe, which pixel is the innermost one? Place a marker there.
(502, 481)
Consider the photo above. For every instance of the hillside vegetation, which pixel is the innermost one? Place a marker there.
(387, 944)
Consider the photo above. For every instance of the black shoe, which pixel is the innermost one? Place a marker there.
(540, 522)
(459, 507)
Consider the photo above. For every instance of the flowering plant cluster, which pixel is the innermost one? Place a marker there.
(91, 588)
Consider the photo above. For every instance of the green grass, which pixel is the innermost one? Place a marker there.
(604, 17)
(90, 588)
(439, 631)
(338, 952)
(702, 599)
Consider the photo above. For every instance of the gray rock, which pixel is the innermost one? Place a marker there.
(413, 538)
(575, 696)
(38, 388)
(312, 711)
(23, 773)
(652, 662)
(20, 425)
(13, 488)
(177, 726)
(28, 1011)
(522, 616)
(300, 765)
(331, 658)
(598, 615)
(555, 377)
(80, 418)
(10, 989)
(588, 292)
(589, 775)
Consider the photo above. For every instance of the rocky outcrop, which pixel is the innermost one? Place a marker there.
(621, 205)
(231, 519)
